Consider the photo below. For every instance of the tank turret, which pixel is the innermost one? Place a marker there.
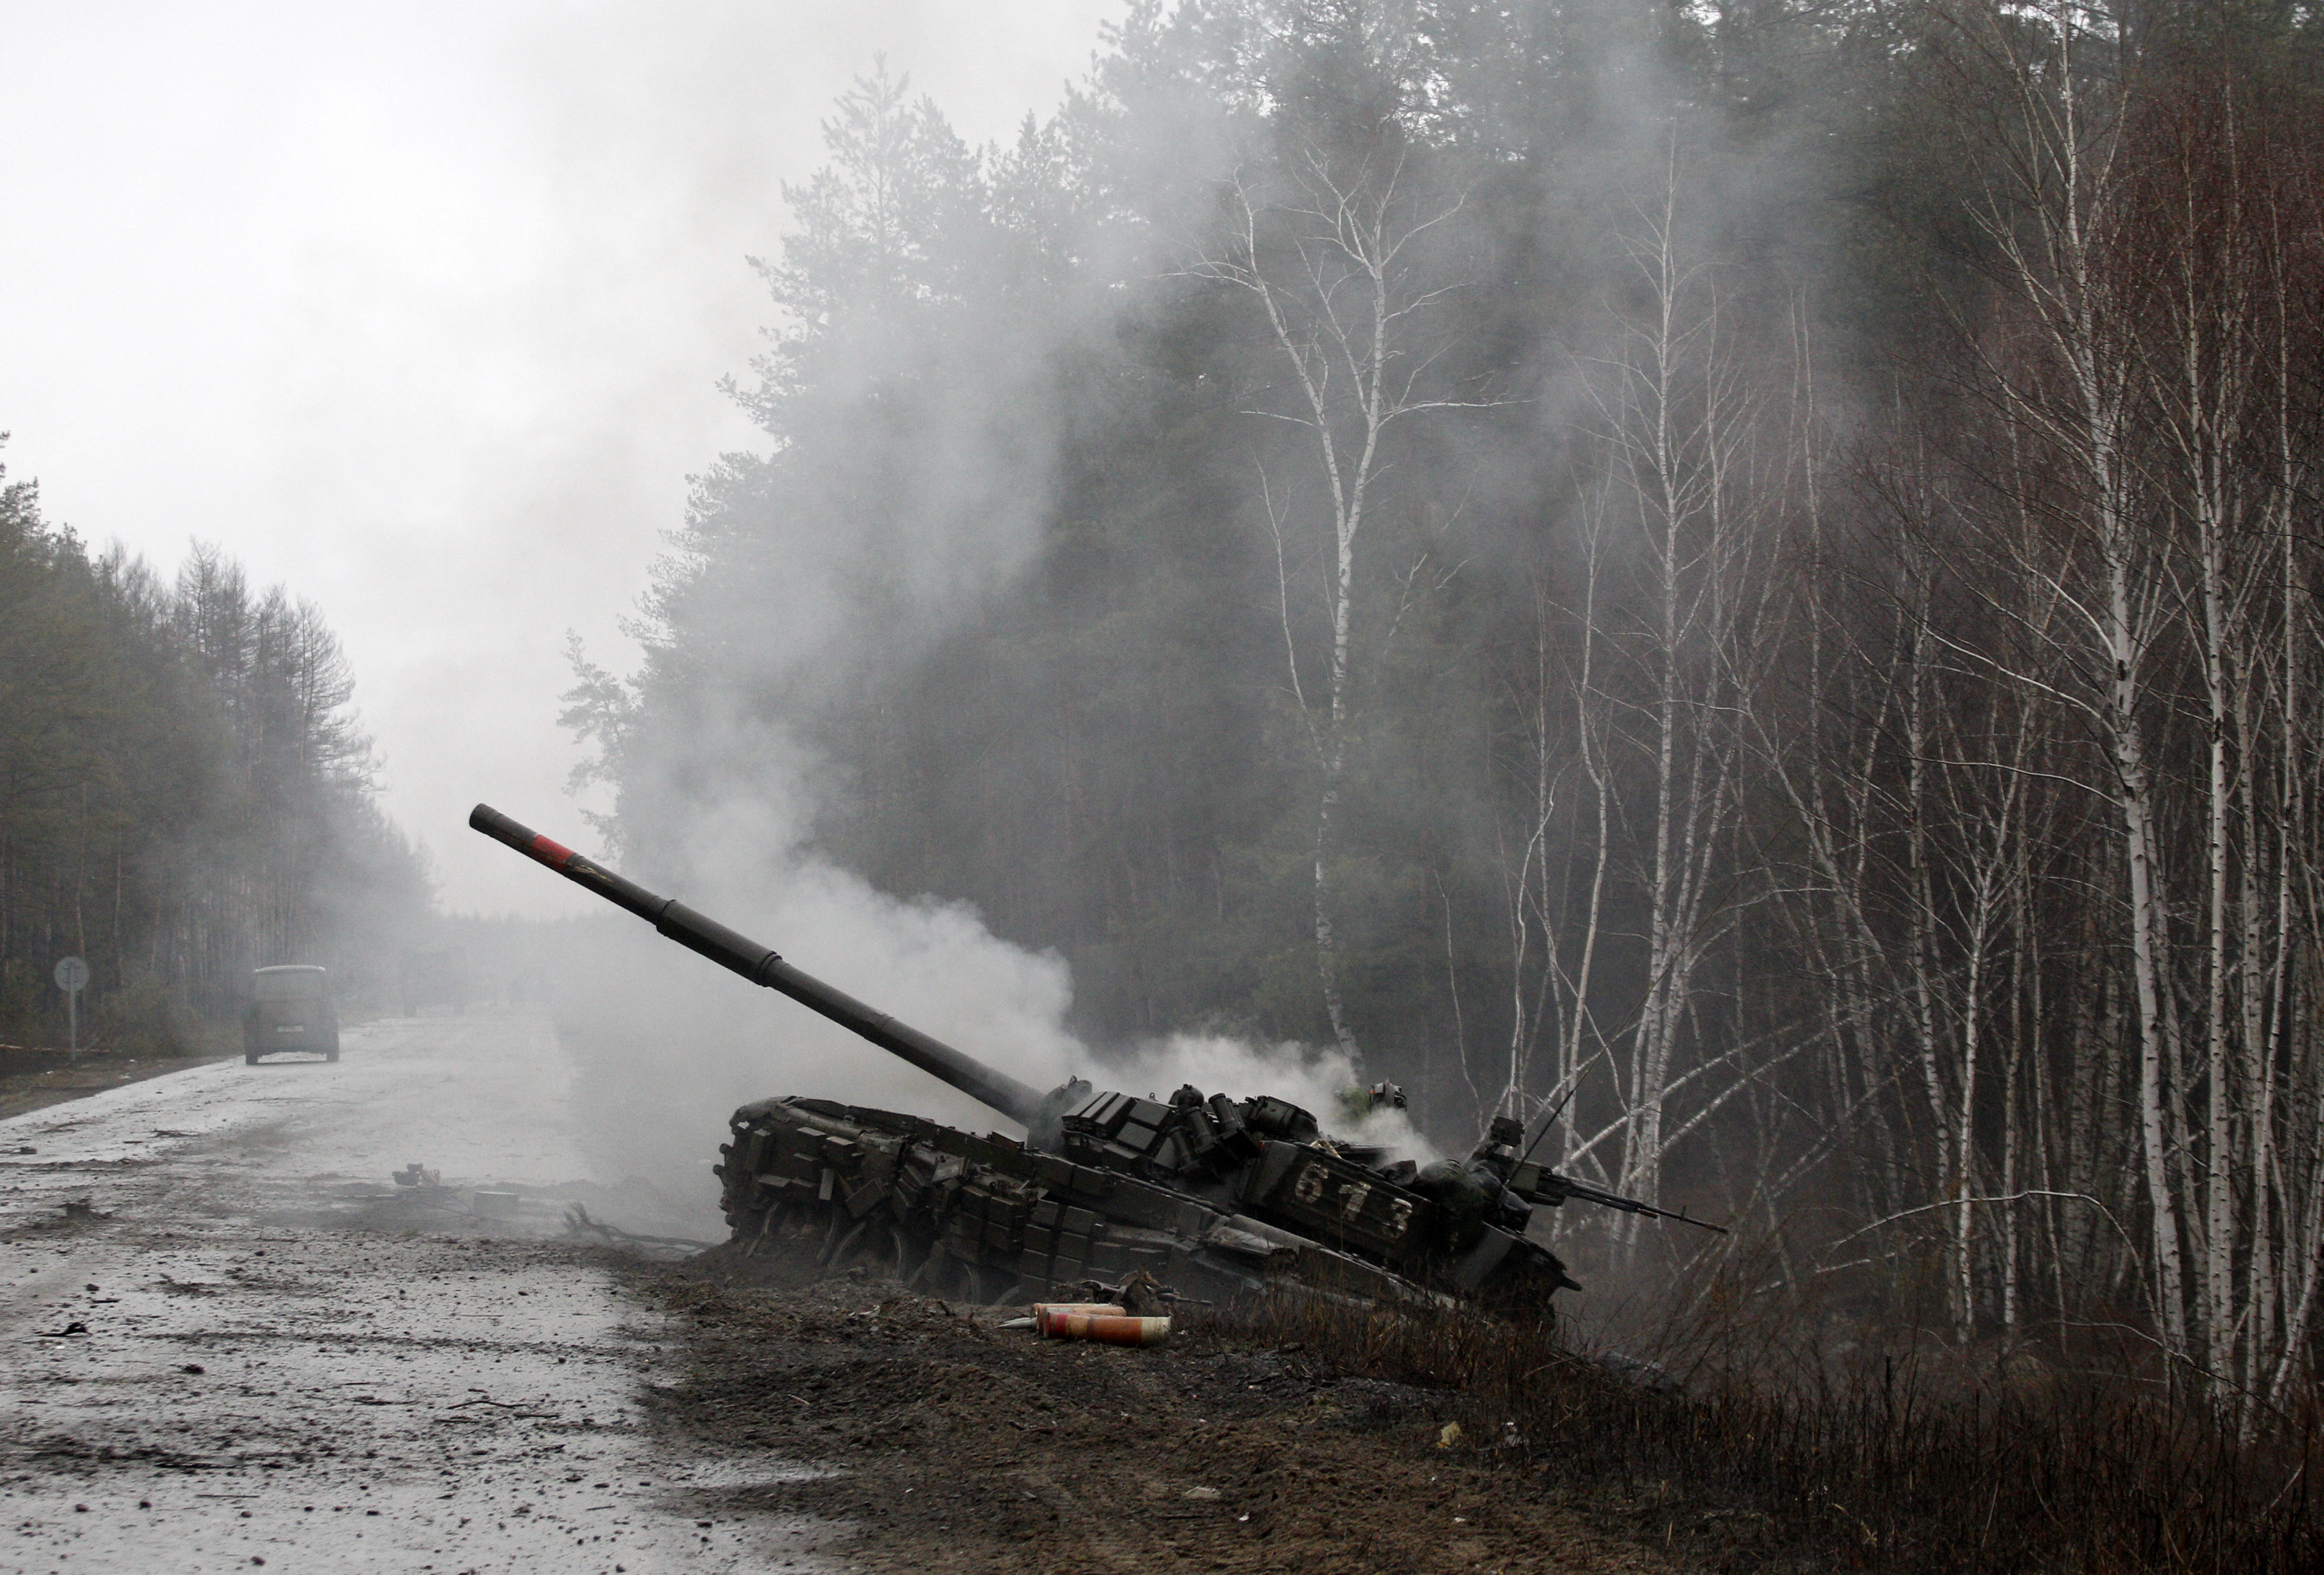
(1205, 1194)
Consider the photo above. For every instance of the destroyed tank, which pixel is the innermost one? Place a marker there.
(1201, 1196)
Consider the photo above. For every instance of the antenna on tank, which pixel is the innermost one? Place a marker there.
(1547, 1124)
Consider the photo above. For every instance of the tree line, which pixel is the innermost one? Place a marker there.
(184, 792)
(1744, 574)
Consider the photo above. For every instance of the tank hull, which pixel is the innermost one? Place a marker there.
(987, 1219)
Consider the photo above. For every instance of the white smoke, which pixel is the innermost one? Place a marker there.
(1317, 1081)
(670, 1044)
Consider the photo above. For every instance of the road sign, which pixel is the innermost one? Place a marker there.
(72, 974)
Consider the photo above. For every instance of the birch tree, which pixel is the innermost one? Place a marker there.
(1334, 252)
(1678, 412)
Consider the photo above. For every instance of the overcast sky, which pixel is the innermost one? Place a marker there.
(419, 310)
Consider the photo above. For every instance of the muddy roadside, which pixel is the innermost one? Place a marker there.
(33, 1077)
(955, 1446)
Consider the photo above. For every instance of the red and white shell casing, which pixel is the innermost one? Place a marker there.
(1046, 1314)
(1109, 1328)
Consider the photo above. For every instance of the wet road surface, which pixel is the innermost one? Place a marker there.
(232, 1342)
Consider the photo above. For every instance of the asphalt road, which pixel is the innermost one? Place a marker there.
(231, 1342)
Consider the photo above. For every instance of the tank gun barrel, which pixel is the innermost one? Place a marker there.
(761, 965)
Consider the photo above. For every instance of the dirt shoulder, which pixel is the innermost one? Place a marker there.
(33, 1079)
(955, 1446)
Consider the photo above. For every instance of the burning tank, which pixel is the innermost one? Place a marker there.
(1204, 1195)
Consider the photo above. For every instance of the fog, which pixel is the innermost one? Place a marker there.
(422, 311)
(1475, 537)
(424, 315)
(670, 1044)
(1726, 582)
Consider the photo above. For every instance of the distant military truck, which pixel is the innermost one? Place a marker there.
(436, 979)
(289, 1008)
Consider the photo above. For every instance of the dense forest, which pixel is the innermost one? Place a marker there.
(1751, 567)
(184, 794)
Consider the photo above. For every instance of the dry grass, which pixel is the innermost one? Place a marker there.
(1746, 1408)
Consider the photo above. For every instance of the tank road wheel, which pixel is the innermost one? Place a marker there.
(847, 1244)
(768, 1220)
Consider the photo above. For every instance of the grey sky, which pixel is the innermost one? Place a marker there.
(420, 308)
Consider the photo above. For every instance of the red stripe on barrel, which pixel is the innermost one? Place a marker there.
(553, 854)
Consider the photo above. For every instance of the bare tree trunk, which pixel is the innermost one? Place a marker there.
(1338, 237)
(2047, 222)
(1678, 422)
